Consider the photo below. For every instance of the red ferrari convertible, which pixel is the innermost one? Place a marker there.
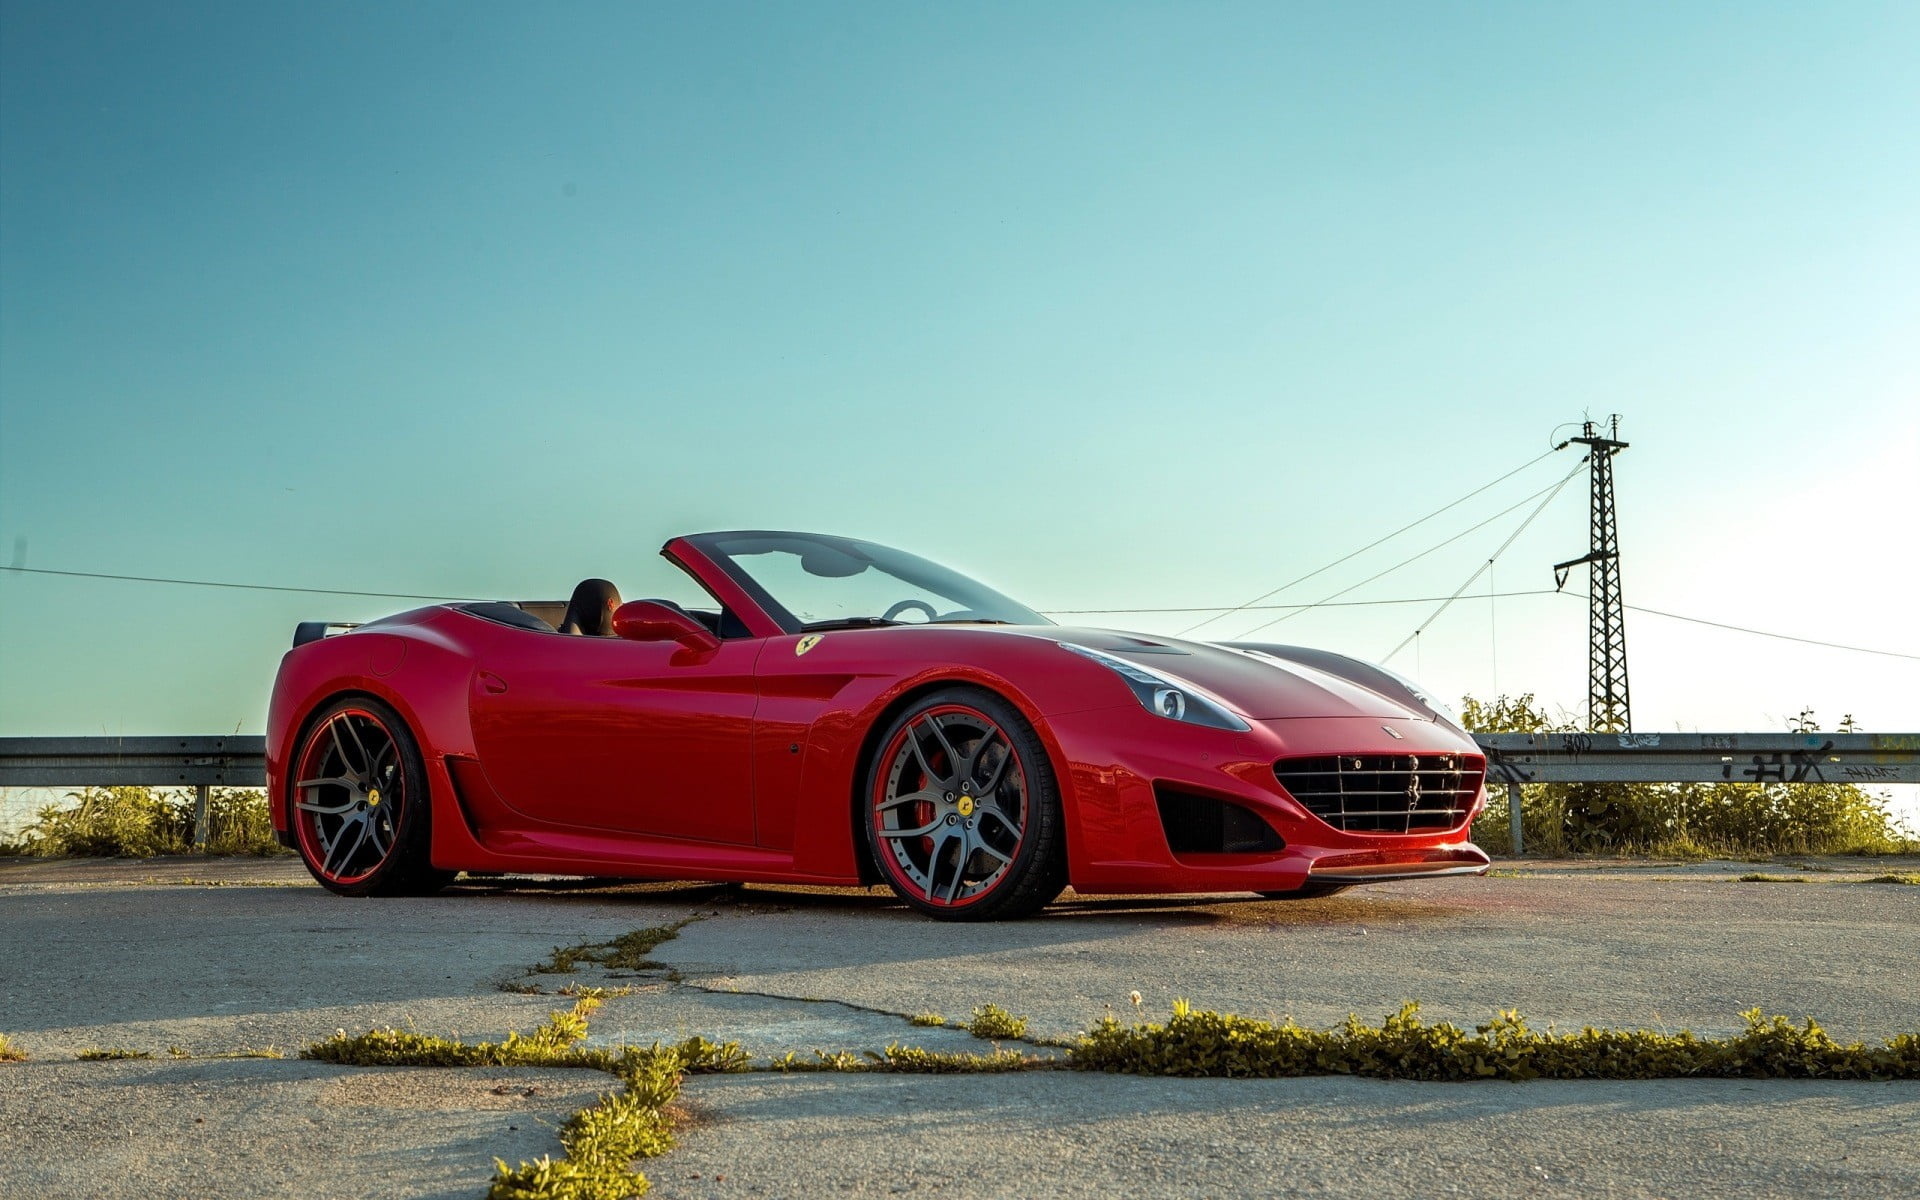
(847, 714)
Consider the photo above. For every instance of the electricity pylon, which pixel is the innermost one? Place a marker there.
(1607, 706)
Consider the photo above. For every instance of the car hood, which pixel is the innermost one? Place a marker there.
(1258, 686)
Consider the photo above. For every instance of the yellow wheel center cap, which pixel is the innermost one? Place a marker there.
(965, 806)
(373, 796)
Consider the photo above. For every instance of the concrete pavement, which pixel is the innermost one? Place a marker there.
(248, 955)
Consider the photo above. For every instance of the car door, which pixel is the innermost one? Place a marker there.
(601, 733)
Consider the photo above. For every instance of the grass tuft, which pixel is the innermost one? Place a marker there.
(822, 1060)
(628, 952)
(552, 1044)
(9, 1052)
(996, 1024)
(601, 1142)
(928, 1019)
(243, 1052)
(1403, 1047)
(912, 1060)
(1909, 878)
(111, 1055)
(1758, 877)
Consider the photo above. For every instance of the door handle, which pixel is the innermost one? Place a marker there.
(492, 683)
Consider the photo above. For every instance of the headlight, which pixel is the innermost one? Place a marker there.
(1165, 695)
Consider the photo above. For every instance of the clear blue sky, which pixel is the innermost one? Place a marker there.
(1118, 306)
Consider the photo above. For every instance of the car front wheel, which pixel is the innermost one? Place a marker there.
(962, 809)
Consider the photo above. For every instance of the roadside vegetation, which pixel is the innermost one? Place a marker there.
(1687, 820)
(9, 1052)
(142, 822)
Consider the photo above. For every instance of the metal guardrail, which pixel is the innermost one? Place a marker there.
(201, 763)
(1513, 759)
(1859, 758)
(137, 761)
(1702, 757)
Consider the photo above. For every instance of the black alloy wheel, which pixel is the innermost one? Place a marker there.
(962, 808)
(359, 807)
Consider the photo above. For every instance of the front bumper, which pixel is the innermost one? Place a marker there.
(1117, 842)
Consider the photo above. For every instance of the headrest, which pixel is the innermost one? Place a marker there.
(590, 612)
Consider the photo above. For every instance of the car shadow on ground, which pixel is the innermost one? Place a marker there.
(1360, 906)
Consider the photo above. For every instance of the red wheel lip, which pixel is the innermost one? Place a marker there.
(303, 823)
(878, 795)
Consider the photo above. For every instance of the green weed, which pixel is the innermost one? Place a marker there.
(1403, 1047)
(628, 952)
(602, 1141)
(9, 1051)
(243, 1052)
(822, 1060)
(111, 1055)
(928, 1019)
(140, 822)
(1909, 878)
(1757, 877)
(553, 1044)
(910, 1060)
(996, 1024)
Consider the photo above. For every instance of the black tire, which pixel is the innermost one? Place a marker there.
(359, 794)
(1309, 891)
(1016, 819)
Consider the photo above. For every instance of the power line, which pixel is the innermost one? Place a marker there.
(1053, 612)
(243, 587)
(1784, 637)
(1415, 558)
(1061, 612)
(1484, 567)
(1255, 602)
(1220, 608)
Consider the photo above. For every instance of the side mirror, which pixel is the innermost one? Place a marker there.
(652, 621)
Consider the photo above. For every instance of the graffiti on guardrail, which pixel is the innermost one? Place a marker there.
(1499, 770)
(1801, 766)
(1871, 774)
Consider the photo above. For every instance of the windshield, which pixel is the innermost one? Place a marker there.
(812, 581)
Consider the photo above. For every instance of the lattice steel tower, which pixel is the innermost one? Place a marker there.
(1607, 706)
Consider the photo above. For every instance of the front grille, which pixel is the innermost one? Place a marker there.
(1383, 793)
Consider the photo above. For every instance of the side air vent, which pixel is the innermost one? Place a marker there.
(1197, 824)
(1383, 793)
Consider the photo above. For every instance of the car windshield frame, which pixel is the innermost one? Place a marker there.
(831, 555)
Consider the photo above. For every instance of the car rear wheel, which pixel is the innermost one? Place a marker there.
(962, 810)
(360, 813)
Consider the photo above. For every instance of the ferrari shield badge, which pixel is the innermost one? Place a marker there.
(806, 643)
